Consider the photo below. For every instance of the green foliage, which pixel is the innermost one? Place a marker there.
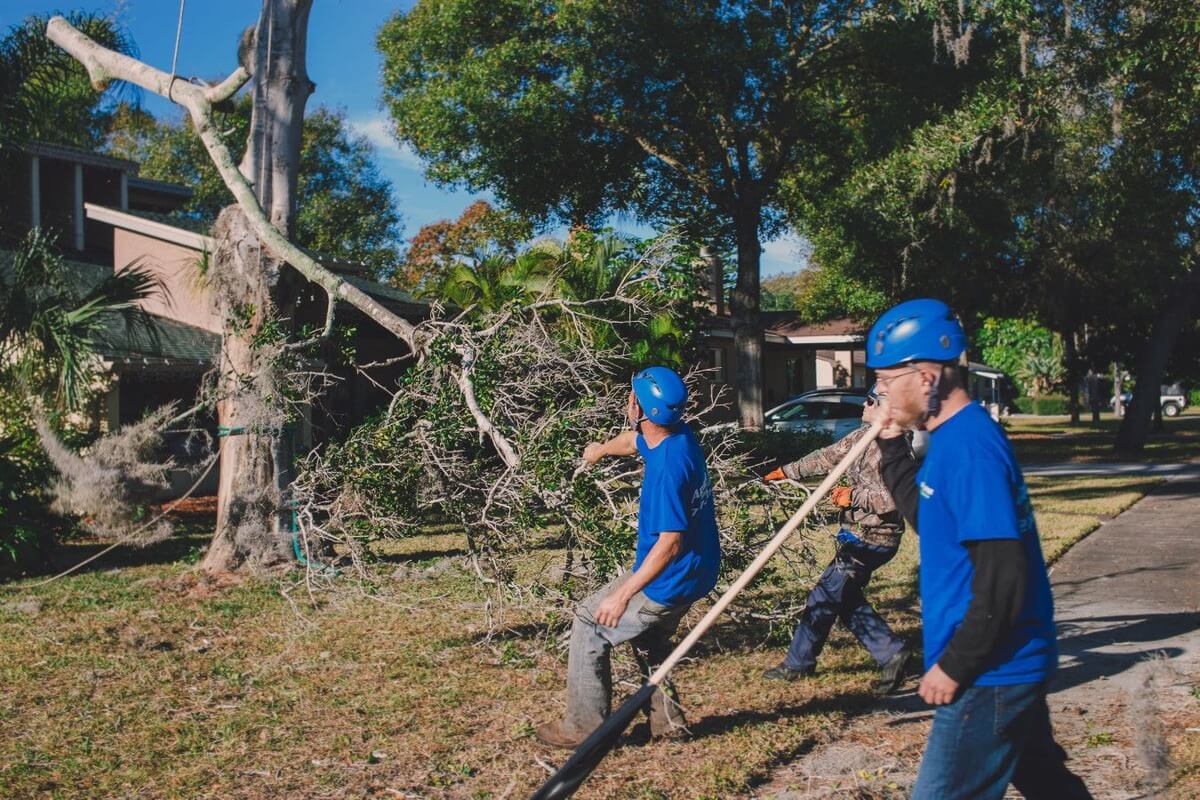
(1026, 351)
(682, 113)
(345, 207)
(24, 471)
(1051, 405)
(586, 272)
(48, 321)
(832, 293)
(45, 95)
(481, 231)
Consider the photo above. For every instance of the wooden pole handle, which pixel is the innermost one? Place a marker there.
(776, 542)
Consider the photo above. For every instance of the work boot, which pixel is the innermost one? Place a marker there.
(891, 674)
(557, 734)
(782, 672)
(666, 716)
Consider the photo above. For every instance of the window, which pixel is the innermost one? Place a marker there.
(794, 370)
(716, 360)
(802, 411)
(848, 408)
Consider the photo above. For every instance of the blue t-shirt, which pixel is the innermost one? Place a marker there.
(677, 496)
(971, 489)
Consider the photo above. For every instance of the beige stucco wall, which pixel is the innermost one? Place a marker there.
(176, 267)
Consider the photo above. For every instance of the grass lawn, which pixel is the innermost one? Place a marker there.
(145, 681)
(1040, 440)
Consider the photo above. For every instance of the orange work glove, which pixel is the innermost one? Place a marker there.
(841, 496)
(775, 475)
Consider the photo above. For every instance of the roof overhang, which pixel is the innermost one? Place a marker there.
(719, 333)
(827, 340)
(160, 187)
(151, 228)
(848, 338)
(76, 155)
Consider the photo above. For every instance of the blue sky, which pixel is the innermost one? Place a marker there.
(343, 62)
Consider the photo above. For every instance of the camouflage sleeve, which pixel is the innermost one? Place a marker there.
(820, 462)
(870, 493)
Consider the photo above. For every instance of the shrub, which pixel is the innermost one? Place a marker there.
(1052, 404)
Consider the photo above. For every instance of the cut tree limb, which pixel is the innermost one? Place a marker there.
(104, 65)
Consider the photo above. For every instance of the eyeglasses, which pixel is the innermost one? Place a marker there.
(885, 382)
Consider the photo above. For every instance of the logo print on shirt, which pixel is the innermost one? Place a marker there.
(926, 490)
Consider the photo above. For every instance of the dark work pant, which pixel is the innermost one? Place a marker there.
(839, 595)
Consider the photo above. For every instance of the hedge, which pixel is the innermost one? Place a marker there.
(1051, 404)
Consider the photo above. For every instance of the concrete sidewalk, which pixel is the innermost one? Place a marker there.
(1131, 589)
(1134, 468)
(1127, 593)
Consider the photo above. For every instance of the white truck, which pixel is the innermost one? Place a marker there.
(1172, 398)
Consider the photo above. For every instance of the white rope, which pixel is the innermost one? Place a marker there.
(175, 57)
(22, 587)
(178, 35)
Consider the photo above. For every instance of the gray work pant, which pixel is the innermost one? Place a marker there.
(647, 625)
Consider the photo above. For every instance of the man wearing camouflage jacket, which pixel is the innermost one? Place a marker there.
(868, 539)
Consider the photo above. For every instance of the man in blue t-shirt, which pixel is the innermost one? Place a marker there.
(986, 608)
(678, 556)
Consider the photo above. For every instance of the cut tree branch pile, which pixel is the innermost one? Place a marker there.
(485, 429)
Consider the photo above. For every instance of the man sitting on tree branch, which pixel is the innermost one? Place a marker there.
(678, 557)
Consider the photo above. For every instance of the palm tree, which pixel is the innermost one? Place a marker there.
(45, 94)
(496, 281)
(594, 268)
(48, 323)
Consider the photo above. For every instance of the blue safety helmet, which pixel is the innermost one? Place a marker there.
(916, 330)
(661, 393)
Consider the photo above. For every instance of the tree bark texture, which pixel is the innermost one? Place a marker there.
(253, 517)
(1071, 356)
(1152, 363)
(249, 498)
(747, 323)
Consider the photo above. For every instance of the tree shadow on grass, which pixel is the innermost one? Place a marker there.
(67, 555)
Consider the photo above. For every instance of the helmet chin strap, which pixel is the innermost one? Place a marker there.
(935, 402)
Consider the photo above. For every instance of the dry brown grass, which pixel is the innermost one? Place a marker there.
(145, 683)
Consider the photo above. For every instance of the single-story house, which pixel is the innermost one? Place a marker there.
(797, 356)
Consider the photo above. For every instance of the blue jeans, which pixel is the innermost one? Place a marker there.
(839, 595)
(991, 736)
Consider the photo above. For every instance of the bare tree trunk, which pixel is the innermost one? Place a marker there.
(1071, 356)
(250, 410)
(747, 324)
(1131, 436)
(253, 518)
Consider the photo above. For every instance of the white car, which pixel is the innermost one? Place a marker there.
(837, 412)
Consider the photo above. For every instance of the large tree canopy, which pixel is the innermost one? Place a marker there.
(1063, 187)
(675, 110)
(345, 206)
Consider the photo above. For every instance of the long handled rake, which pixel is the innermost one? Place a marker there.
(585, 758)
